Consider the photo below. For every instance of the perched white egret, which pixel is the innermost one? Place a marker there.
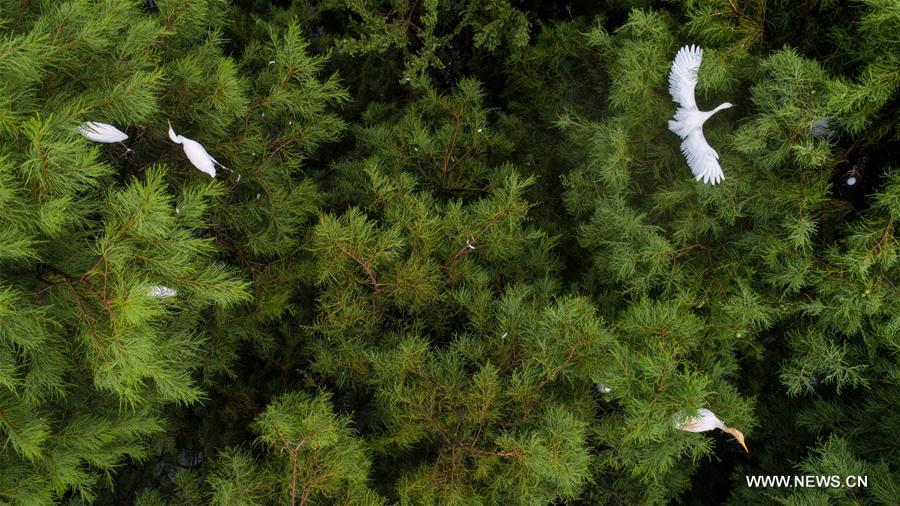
(196, 153)
(704, 421)
(603, 388)
(688, 122)
(161, 292)
(103, 132)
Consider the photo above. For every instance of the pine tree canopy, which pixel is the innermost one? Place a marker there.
(433, 252)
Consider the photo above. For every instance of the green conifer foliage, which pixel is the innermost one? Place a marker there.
(91, 349)
(422, 31)
(452, 254)
(755, 258)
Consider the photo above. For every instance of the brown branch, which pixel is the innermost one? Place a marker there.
(40, 155)
(445, 166)
(884, 236)
(557, 370)
(487, 453)
(463, 157)
(70, 281)
(87, 273)
(92, 332)
(293, 476)
(750, 19)
(365, 266)
(304, 496)
(890, 282)
(293, 451)
(465, 248)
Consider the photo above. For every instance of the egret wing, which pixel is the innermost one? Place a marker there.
(683, 76)
(704, 420)
(702, 158)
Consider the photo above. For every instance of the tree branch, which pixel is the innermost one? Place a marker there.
(556, 371)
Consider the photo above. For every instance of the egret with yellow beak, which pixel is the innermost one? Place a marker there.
(704, 421)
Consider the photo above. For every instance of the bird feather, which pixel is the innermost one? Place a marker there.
(702, 158)
(683, 76)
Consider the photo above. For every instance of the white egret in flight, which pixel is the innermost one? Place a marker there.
(196, 153)
(704, 421)
(688, 122)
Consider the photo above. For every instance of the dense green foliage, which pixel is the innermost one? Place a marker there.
(459, 260)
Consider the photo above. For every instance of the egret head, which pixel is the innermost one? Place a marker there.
(739, 436)
(175, 138)
(725, 105)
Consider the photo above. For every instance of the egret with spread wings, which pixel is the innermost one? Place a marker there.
(688, 122)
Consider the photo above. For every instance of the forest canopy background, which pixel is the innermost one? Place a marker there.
(460, 258)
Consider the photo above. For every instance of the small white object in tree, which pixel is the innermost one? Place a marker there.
(688, 122)
(177, 211)
(271, 62)
(603, 388)
(470, 245)
(505, 335)
(851, 181)
(101, 132)
(196, 153)
(257, 196)
(161, 292)
(704, 421)
(480, 129)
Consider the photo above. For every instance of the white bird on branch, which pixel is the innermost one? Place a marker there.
(704, 421)
(196, 153)
(103, 132)
(688, 122)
